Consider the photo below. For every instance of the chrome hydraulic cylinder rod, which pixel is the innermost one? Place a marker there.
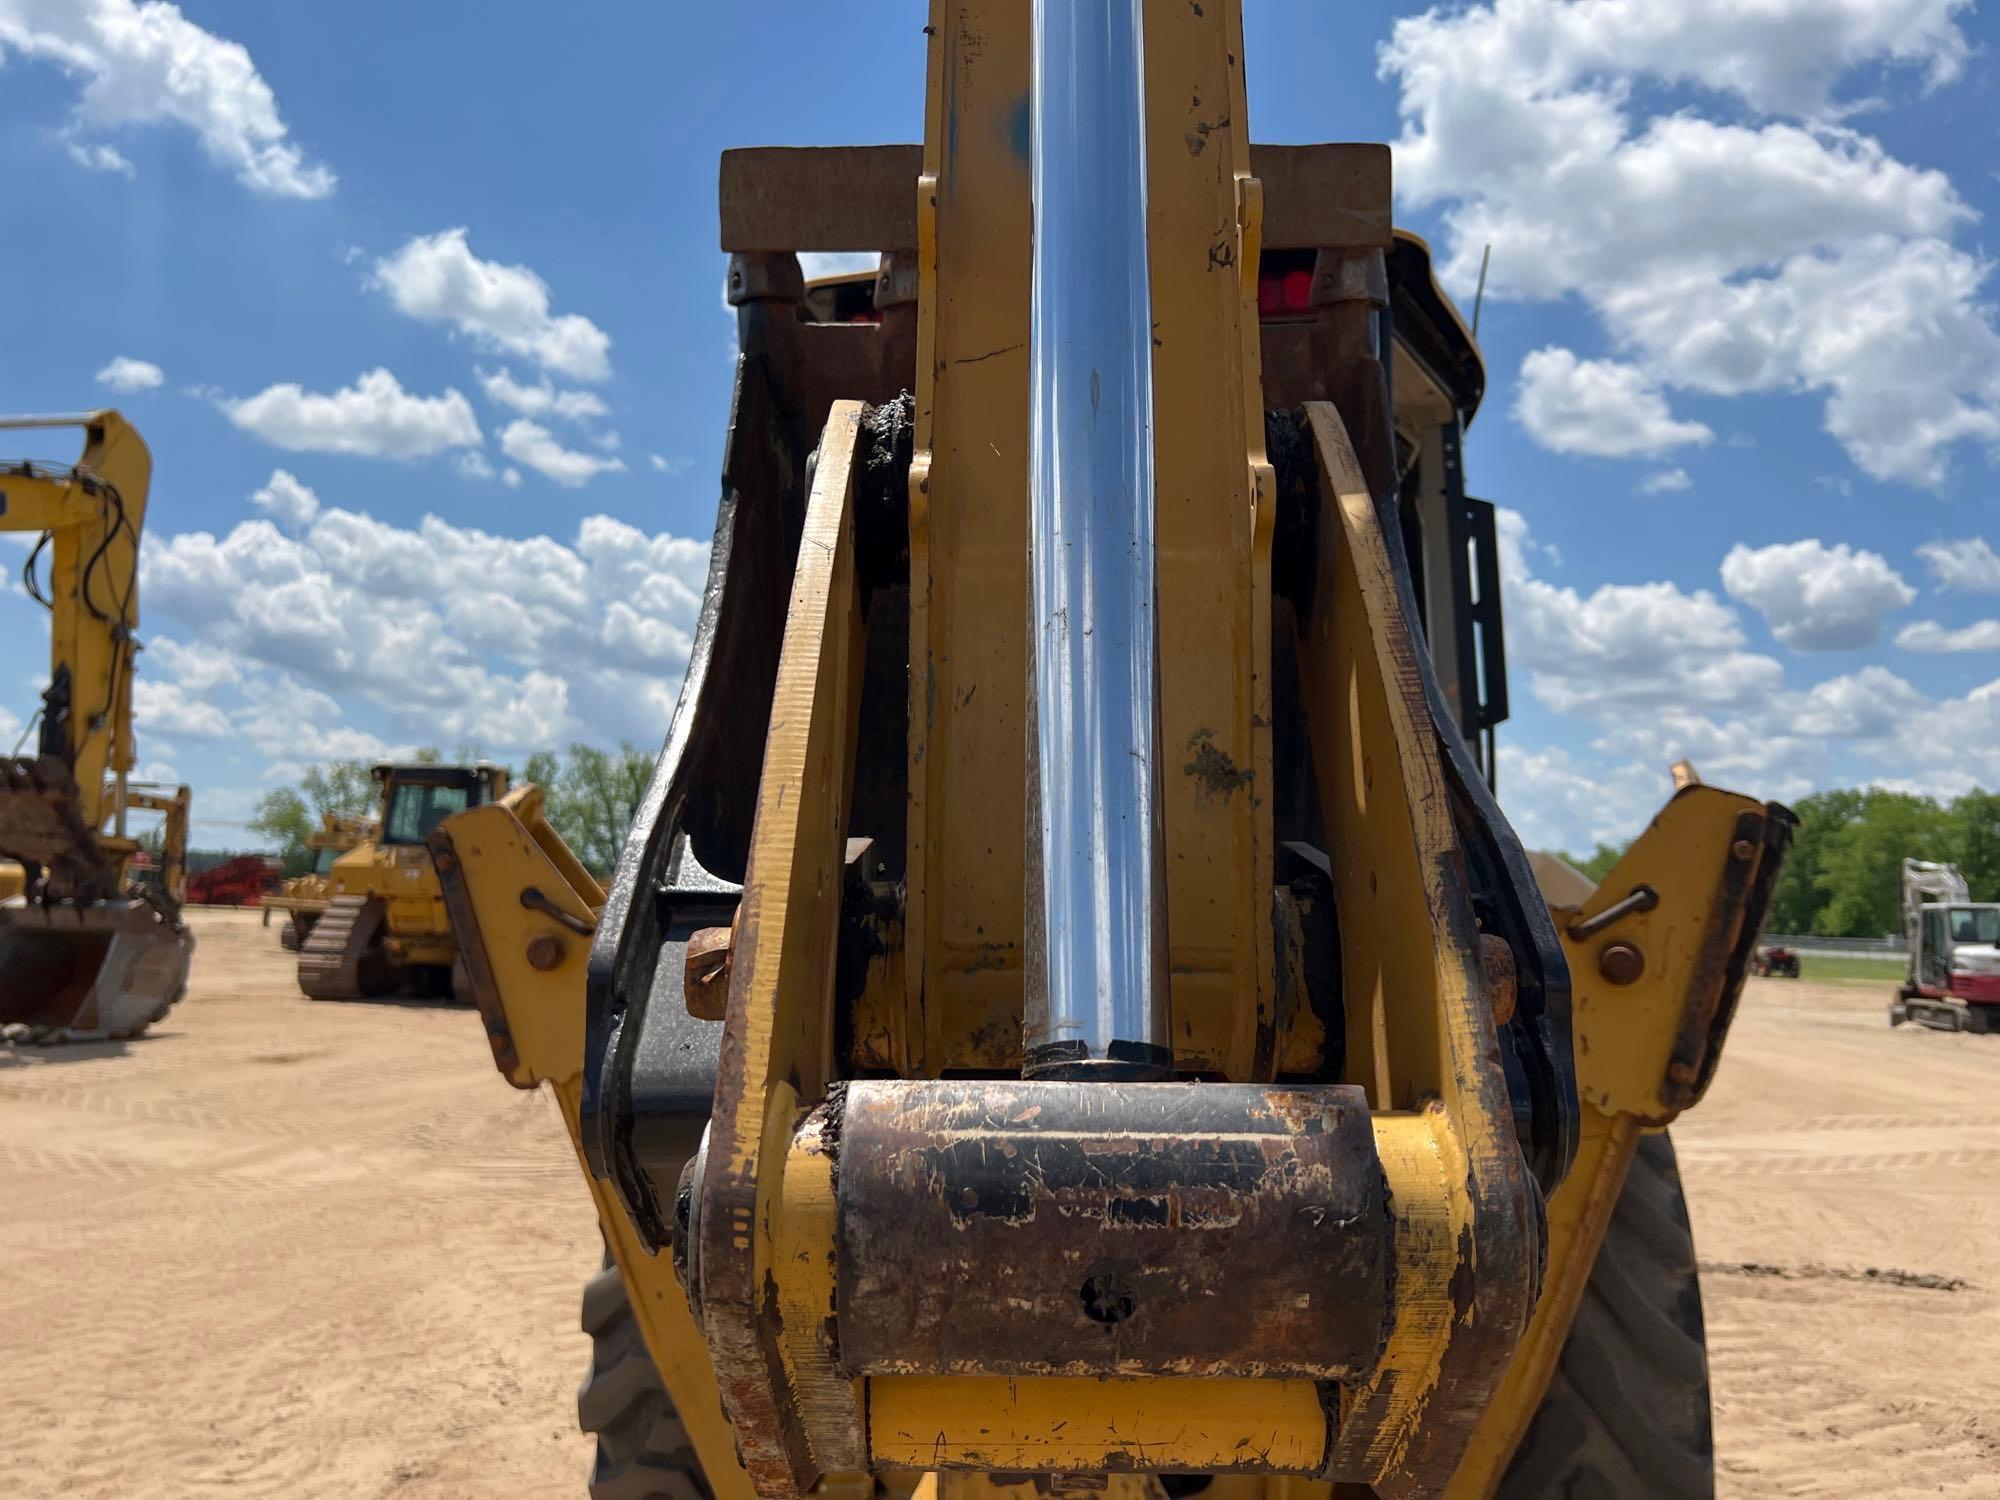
(1096, 916)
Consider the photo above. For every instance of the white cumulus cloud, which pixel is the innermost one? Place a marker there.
(1597, 407)
(535, 447)
(127, 374)
(541, 399)
(513, 642)
(95, 156)
(289, 500)
(172, 708)
(1665, 482)
(1816, 597)
(1971, 565)
(374, 417)
(1929, 635)
(1625, 648)
(436, 278)
(1785, 252)
(146, 64)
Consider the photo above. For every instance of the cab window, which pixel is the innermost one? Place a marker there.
(1975, 924)
(323, 861)
(417, 807)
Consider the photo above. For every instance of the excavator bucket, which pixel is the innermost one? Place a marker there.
(82, 973)
(83, 957)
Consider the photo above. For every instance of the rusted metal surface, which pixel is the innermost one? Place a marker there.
(479, 977)
(706, 979)
(865, 197)
(1621, 963)
(42, 824)
(1496, 960)
(820, 198)
(1742, 896)
(1110, 1228)
(1419, 1023)
(1643, 898)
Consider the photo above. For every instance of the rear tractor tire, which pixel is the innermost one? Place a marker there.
(643, 1451)
(1626, 1415)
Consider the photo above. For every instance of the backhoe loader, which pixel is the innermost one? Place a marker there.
(380, 927)
(87, 953)
(1070, 1014)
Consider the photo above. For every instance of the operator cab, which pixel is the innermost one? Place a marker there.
(1975, 924)
(418, 797)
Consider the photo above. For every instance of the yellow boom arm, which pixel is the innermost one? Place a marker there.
(90, 516)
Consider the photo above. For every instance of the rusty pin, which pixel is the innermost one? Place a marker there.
(1502, 985)
(1643, 898)
(545, 951)
(706, 984)
(1621, 963)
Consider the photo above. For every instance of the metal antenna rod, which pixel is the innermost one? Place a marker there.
(1096, 1000)
(1479, 297)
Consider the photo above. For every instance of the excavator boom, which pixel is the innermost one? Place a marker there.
(85, 953)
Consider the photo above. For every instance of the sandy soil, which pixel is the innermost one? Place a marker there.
(285, 1249)
(1844, 1182)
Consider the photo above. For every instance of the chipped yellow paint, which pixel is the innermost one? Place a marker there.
(1423, 1041)
(1089, 1426)
(777, 1043)
(968, 538)
(1625, 1036)
(500, 850)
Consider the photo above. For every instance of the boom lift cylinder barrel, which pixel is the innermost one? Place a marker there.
(1109, 1229)
(1096, 920)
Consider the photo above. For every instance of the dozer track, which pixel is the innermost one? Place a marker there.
(341, 958)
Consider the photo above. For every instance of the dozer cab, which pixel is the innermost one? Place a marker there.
(87, 952)
(379, 927)
(1070, 1014)
(303, 899)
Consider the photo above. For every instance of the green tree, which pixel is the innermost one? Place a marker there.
(1597, 864)
(1862, 861)
(591, 797)
(285, 816)
(1976, 822)
(1797, 899)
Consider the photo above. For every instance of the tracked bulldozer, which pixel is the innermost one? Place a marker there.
(87, 952)
(1071, 1015)
(379, 927)
(302, 900)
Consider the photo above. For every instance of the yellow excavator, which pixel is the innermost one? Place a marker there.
(304, 898)
(87, 952)
(1071, 1014)
(380, 927)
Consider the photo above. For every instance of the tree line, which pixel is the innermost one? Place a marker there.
(590, 796)
(1843, 877)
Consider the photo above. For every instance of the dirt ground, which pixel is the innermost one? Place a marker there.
(293, 1249)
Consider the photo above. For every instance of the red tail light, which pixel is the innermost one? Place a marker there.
(1282, 293)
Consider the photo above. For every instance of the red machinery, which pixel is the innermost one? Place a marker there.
(241, 881)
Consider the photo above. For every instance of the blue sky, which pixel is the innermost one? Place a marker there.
(1744, 380)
